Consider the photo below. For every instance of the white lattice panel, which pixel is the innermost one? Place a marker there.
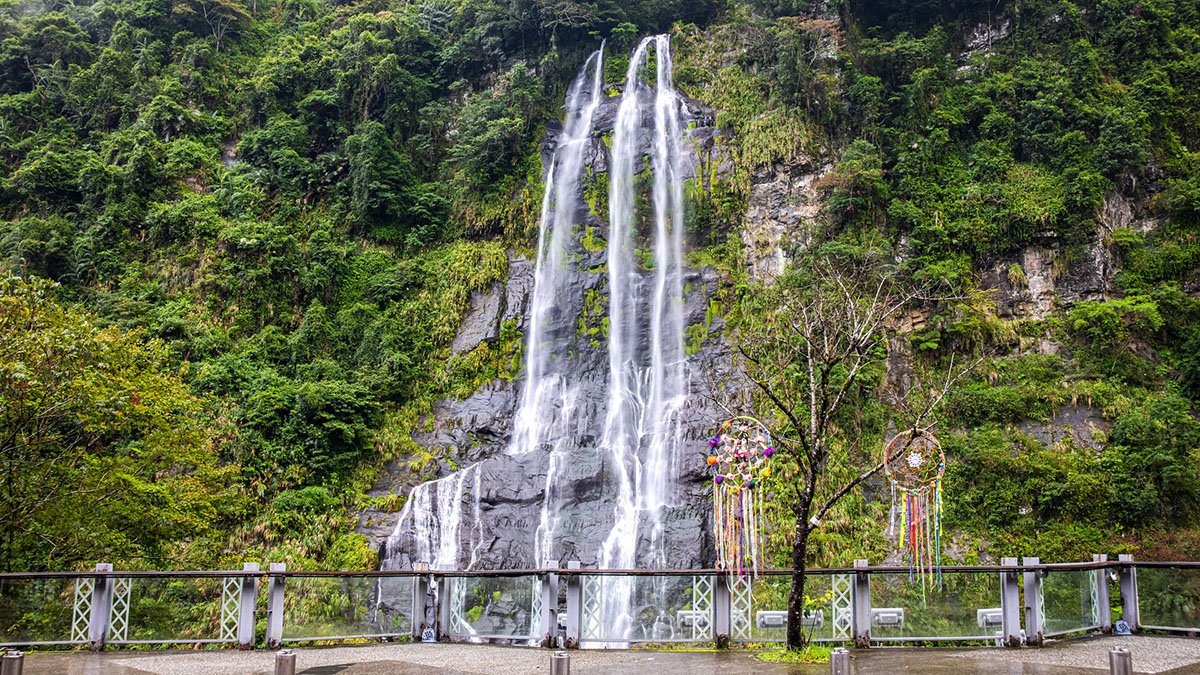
(1094, 596)
(458, 601)
(81, 617)
(843, 606)
(591, 608)
(702, 596)
(118, 618)
(231, 606)
(741, 600)
(535, 609)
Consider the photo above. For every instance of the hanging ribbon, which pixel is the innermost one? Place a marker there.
(914, 463)
(738, 458)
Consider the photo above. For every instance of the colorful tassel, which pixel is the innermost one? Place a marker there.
(914, 463)
(738, 458)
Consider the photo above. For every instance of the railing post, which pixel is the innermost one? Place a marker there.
(444, 608)
(247, 601)
(1035, 623)
(722, 611)
(101, 607)
(1103, 604)
(275, 605)
(1010, 604)
(1129, 592)
(420, 600)
(862, 606)
(549, 605)
(574, 606)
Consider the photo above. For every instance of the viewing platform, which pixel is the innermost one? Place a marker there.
(1151, 654)
(1014, 604)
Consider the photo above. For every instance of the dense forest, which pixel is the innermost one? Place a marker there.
(237, 240)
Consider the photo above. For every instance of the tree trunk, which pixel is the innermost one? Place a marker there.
(795, 618)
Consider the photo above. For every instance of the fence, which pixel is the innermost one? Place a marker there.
(1011, 604)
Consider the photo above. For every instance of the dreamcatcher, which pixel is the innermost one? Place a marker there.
(738, 458)
(914, 463)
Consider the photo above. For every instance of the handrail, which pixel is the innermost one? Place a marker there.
(520, 572)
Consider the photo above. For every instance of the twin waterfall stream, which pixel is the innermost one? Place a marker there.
(647, 383)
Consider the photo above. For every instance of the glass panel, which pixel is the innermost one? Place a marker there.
(327, 607)
(165, 608)
(647, 609)
(964, 605)
(766, 618)
(1169, 597)
(1069, 597)
(496, 607)
(37, 610)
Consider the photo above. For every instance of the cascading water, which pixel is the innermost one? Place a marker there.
(647, 381)
(548, 400)
(435, 528)
(633, 433)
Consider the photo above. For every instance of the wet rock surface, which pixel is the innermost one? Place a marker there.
(513, 487)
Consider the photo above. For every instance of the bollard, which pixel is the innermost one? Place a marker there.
(285, 662)
(12, 663)
(560, 663)
(839, 662)
(1120, 661)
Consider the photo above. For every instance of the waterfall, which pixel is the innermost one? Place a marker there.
(647, 383)
(632, 433)
(548, 400)
(435, 527)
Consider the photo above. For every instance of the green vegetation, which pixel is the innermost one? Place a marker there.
(293, 203)
(105, 449)
(812, 653)
(265, 221)
(953, 155)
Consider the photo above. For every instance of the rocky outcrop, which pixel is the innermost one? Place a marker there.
(783, 212)
(1073, 424)
(1047, 277)
(481, 322)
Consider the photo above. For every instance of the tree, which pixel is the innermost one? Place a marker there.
(221, 17)
(813, 343)
(104, 453)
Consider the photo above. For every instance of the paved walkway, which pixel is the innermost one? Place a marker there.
(1171, 656)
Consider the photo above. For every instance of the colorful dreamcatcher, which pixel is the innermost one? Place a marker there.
(738, 458)
(914, 463)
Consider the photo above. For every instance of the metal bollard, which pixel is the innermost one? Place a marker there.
(285, 662)
(1120, 661)
(839, 662)
(560, 663)
(12, 663)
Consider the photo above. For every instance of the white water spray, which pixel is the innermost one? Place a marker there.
(435, 528)
(647, 383)
(545, 415)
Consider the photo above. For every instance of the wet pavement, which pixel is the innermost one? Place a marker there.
(1166, 655)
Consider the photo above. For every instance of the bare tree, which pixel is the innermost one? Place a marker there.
(221, 17)
(810, 344)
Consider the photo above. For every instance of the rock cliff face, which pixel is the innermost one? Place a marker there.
(783, 209)
(499, 508)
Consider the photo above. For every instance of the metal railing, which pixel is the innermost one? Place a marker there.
(1011, 604)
